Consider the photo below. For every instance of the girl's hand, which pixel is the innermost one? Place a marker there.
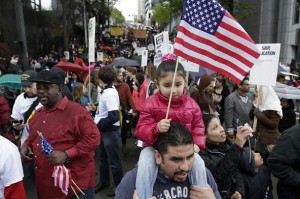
(164, 125)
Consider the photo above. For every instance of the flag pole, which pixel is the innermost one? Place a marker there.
(173, 82)
(259, 95)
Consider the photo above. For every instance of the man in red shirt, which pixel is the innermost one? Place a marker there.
(126, 103)
(70, 130)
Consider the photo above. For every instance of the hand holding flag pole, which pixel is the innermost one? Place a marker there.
(61, 175)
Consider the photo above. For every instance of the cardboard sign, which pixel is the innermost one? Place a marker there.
(139, 33)
(161, 42)
(92, 31)
(144, 58)
(264, 72)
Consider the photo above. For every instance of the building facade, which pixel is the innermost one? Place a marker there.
(276, 21)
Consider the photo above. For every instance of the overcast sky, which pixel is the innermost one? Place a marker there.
(127, 7)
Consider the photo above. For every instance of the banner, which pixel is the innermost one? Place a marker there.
(67, 55)
(144, 58)
(100, 56)
(139, 33)
(92, 31)
(264, 72)
(161, 42)
(116, 30)
(188, 66)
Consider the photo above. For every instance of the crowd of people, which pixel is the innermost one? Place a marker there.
(201, 144)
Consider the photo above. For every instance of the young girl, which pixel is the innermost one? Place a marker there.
(152, 122)
(78, 94)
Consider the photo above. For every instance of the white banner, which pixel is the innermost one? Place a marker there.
(188, 66)
(144, 58)
(92, 31)
(161, 42)
(264, 72)
(67, 55)
(157, 59)
(100, 56)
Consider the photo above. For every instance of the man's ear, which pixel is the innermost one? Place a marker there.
(158, 158)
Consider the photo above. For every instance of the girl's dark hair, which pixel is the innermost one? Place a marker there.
(169, 66)
(140, 79)
(151, 69)
(206, 120)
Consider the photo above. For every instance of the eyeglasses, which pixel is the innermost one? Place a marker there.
(246, 84)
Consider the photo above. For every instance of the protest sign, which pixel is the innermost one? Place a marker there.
(92, 31)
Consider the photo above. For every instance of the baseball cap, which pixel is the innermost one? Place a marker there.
(50, 77)
(28, 77)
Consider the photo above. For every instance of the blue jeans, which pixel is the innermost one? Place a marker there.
(109, 155)
(147, 173)
(89, 193)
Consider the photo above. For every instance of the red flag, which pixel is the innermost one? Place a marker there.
(209, 36)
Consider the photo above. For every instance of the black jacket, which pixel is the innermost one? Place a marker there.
(288, 119)
(222, 160)
(284, 163)
(256, 181)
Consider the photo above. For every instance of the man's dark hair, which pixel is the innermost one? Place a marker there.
(177, 135)
(106, 74)
(280, 76)
(243, 81)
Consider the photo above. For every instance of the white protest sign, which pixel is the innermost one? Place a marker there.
(188, 66)
(171, 48)
(150, 47)
(140, 50)
(157, 59)
(264, 71)
(67, 55)
(144, 58)
(161, 42)
(92, 31)
(99, 56)
(134, 45)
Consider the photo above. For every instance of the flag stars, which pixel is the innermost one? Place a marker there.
(203, 14)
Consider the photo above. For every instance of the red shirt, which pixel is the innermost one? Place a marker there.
(125, 96)
(67, 127)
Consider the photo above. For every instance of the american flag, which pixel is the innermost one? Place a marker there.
(209, 36)
(61, 175)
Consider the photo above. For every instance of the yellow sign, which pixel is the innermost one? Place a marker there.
(116, 30)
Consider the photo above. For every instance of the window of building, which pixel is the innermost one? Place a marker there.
(297, 12)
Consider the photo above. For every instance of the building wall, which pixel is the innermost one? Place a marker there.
(273, 21)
